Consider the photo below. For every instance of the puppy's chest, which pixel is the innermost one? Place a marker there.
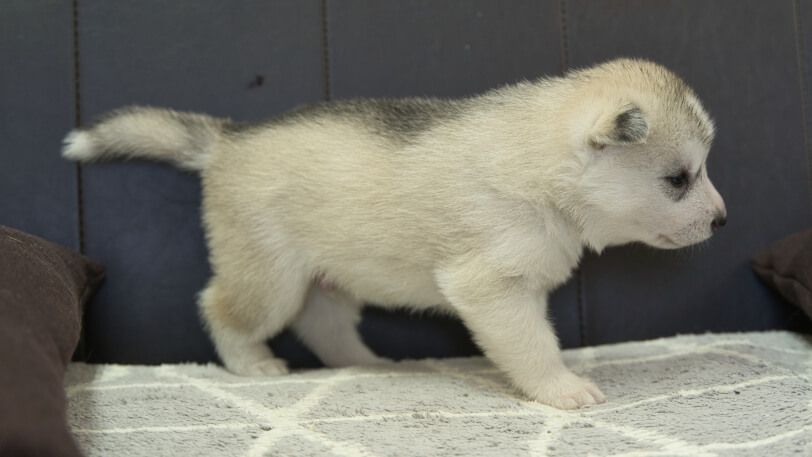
(544, 254)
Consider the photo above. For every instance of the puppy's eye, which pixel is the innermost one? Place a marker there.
(679, 180)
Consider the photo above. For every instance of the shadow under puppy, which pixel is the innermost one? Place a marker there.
(479, 206)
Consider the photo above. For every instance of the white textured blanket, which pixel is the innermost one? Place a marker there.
(745, 394)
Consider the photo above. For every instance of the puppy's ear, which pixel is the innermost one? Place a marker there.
(625, 126)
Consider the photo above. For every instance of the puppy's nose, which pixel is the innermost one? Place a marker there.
(718, 222)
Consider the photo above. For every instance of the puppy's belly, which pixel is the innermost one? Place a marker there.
(389, 285)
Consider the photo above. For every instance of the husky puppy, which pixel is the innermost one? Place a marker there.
(479, 206)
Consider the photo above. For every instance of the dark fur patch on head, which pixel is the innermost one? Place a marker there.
(631, 126)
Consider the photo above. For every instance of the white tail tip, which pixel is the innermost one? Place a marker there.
(77, 146)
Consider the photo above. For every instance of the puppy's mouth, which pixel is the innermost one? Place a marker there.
(665, 242)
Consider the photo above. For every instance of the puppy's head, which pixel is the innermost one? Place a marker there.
(642, 143)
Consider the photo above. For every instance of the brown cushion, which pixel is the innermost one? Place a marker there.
(43, 289)
(787, 267)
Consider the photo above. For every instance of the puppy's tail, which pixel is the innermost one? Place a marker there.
(182, 139)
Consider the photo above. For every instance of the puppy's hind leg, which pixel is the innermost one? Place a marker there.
(241, 316)
(328, 326)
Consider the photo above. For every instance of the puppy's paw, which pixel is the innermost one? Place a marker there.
(377, 361)
(568, 391)
(265, 367)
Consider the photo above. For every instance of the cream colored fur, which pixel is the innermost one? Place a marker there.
(480, 207)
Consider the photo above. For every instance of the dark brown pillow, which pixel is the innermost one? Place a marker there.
(43, 289)
(787, 267)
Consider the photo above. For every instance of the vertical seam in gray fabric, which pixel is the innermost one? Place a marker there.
(579, 280)
(800, 41)
(325, 50)
(81, 350)
(77, 121)
(565, 57)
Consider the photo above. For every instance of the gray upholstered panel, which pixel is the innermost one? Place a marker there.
(452, 48)
(740, 56)
(443, 49)
(249, 59)
(803, 15)
(245, 59)
(37, 187)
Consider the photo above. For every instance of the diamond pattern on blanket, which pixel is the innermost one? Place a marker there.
(716, 414)
(745, 394)
(632, 382)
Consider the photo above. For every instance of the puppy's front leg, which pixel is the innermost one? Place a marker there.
(511, 326)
